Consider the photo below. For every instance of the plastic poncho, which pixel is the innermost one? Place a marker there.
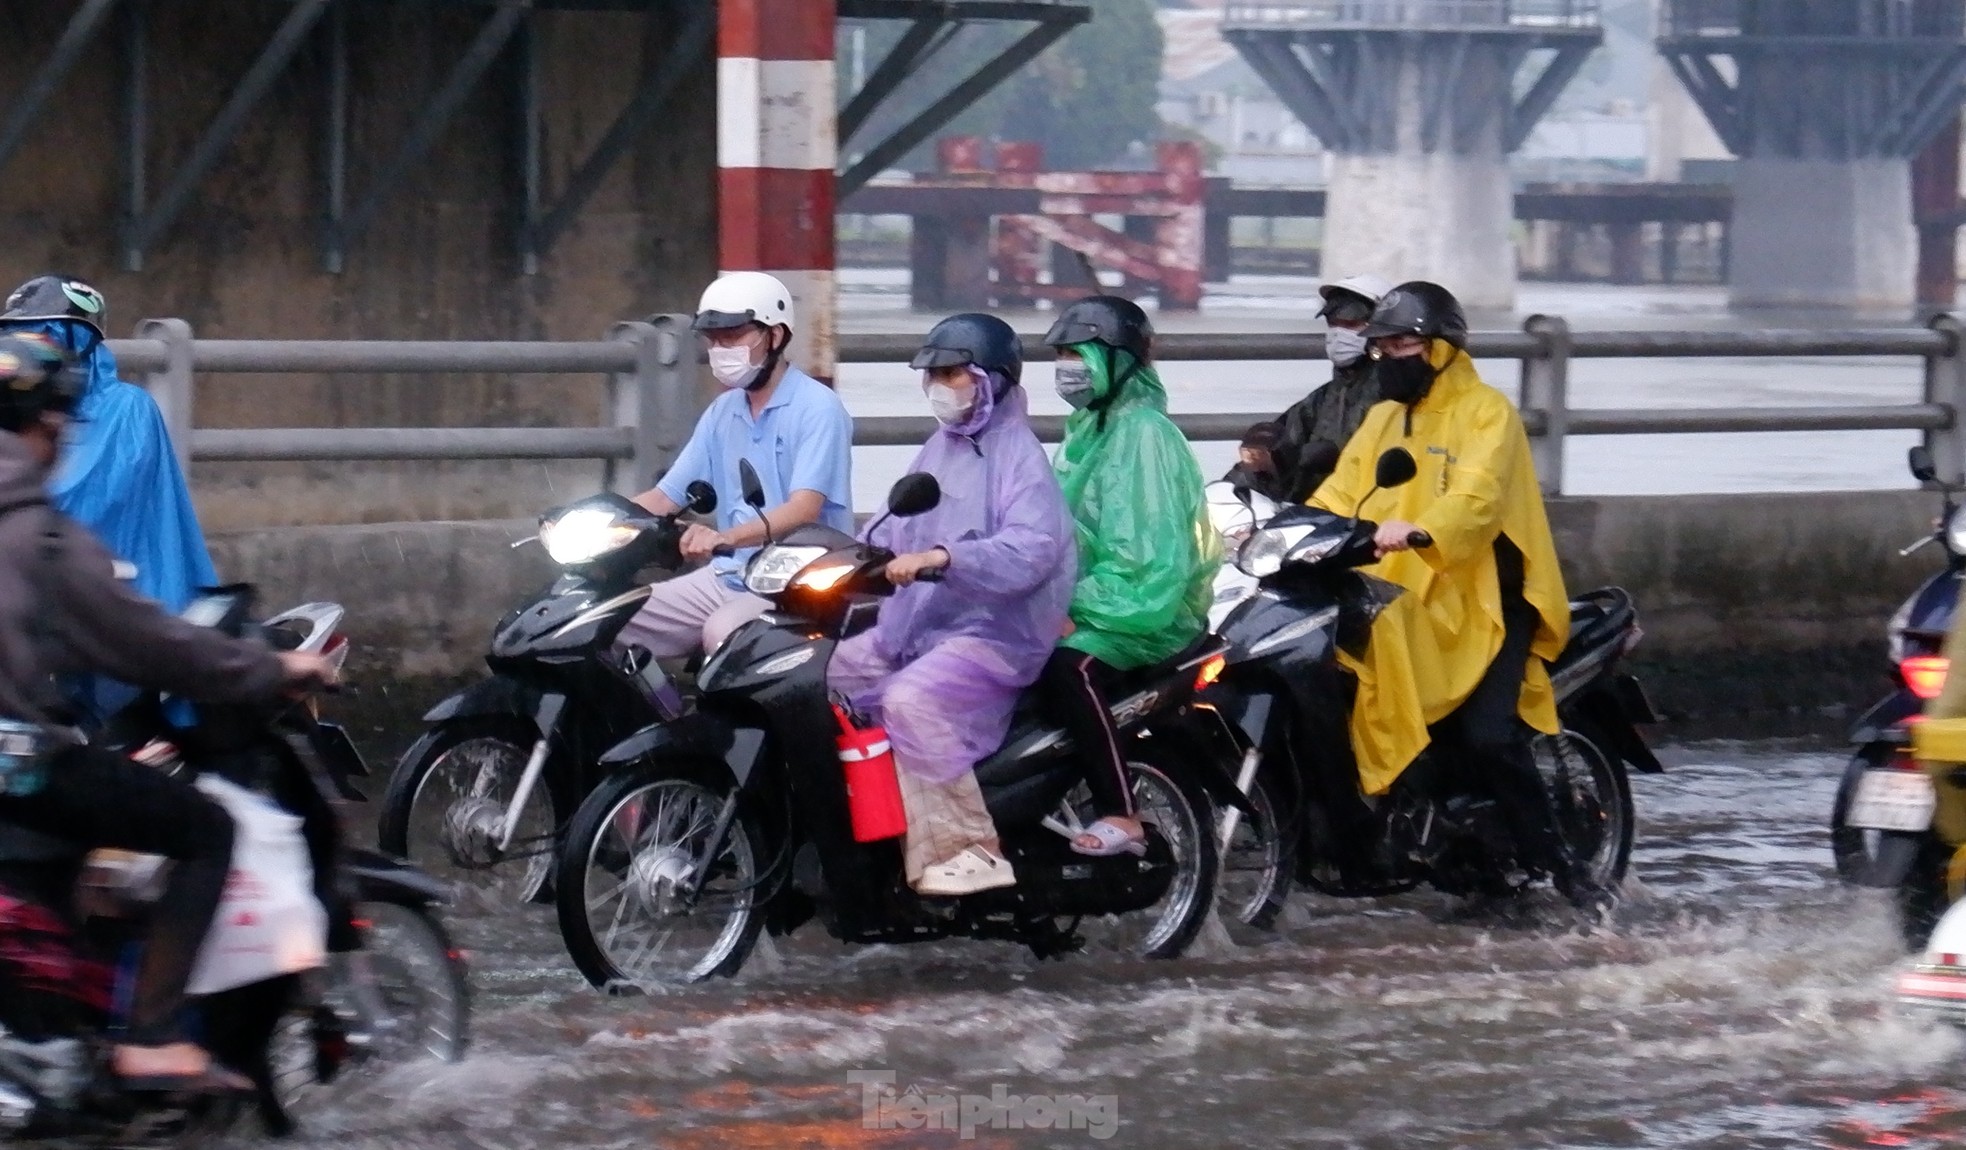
(1476, 482)
(967, 646)
(1147, 552)
(119, 478)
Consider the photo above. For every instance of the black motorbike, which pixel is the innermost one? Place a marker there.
(64, 917)
(737, 816)
(481, 797)
(1882, 818)
(1274, 703)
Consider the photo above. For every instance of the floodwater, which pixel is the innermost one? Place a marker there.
(1740, 998)
(876, 301)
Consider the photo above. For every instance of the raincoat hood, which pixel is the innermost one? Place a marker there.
(1476, 483)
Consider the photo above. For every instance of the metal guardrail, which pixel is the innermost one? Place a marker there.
(653, 395)
(1453, 15)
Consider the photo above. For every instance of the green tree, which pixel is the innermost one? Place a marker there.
(1087, 99)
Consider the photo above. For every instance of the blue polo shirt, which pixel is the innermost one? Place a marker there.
(802, 441)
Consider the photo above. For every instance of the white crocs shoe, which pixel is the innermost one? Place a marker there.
(975, 869)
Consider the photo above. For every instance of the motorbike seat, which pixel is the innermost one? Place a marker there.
(1597, 619)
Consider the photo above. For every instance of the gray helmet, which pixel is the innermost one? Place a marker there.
(1418, 307)
(973, 338)
(1109, 319)
(56, 297)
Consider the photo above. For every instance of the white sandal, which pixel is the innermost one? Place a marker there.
(975, 869)
(1112, 841)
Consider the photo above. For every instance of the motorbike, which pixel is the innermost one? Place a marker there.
(1882, 815)
(1932, 915)
(401, 995)
(1273, 704)
(481, 798)
(738, 816)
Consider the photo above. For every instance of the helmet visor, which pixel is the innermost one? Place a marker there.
(722, 320)
(929, 357)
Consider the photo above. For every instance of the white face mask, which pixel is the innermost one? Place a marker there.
(732, 366)
(1344, 347)
(949, 405)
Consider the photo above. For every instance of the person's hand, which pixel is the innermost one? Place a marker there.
(1392, 536)
(307, 671)
(903, 569)
(699, 541)
(1069, 628)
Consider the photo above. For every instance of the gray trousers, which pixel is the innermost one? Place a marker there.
(697, 609)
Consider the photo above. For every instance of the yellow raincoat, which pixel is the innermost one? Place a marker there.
(1430, 649)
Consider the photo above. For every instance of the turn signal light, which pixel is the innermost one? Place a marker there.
(1924, 674)
(1211, 670)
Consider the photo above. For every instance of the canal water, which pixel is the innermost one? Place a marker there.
(1740, 998)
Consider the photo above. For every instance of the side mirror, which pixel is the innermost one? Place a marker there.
(700, 497)
(1396, 468)
(1922, 467)
(913, 494)
(754, 488)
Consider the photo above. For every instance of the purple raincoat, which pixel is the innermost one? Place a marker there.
(943, 667)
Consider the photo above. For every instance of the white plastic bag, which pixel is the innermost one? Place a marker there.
(269, 923)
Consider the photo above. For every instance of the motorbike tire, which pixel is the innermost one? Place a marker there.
(1265, 851)
(590, 848)
(399, 834)
(1158, 769)
(1611, 786)
(1921, 896)
(1866, 857)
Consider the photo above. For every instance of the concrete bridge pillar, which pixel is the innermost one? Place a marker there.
(1417, 100)
(1825, 102)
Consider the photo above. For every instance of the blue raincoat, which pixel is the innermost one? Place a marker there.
(119, 478)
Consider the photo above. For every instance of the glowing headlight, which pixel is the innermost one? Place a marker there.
(775, 566)
(822, 578)
(1956, 531)
(1263, 554)
(585, 534)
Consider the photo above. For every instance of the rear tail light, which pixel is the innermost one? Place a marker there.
(1925, 675)
(336, 651)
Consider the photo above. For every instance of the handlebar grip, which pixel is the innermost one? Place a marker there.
(932, 575)
(1418, 539)
(723, 551)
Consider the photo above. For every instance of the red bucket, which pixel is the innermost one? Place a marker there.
(873, 794)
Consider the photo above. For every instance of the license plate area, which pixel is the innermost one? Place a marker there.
(1892, 800)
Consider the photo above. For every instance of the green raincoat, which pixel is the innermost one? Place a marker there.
(1147, 553)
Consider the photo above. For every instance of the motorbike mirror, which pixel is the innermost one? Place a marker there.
(1922, 467)
(754, 488)
(701, 497)
(1396, 467)
(914, 494)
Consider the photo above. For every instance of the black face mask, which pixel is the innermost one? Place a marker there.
(1404, 379)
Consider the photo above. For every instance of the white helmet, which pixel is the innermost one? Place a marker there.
(1367, 287)
(742, 298)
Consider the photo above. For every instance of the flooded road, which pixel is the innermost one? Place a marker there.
(1739, 999)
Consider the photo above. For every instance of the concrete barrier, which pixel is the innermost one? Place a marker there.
(1764, 604)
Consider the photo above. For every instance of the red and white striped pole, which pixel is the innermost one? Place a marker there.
(776, 151)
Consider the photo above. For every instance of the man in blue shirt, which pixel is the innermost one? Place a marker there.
(796, 434)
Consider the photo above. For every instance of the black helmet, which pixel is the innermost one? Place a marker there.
(1417, 307)
(35, 377)
(973, 338)
(1110, 319)
(52, 297)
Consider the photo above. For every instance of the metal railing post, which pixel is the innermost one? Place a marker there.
(655, 399)
(1546, 388)
(171, 384)
(1945, 385)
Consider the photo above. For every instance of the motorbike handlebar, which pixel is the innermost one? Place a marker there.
(932, 575)
(1419, 539)
(723, 551)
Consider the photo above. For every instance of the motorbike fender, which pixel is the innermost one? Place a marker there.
(379, 878)
(1614, 711)
(701, 734)
(1884, 722)
(497, 695)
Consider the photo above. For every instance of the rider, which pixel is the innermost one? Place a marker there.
(118, 477)
(796, 434)
(1147, 553)
(1316, 427)
(1471, 660)
(947, 660)
(62, 609)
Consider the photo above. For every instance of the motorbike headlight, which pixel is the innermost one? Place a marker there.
(1956, 531)
(775, 566)
(585, 534)
(1264, 553)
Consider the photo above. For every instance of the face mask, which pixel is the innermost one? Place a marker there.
(1074, 384)
(1404, 379)
(1344, 347)
(732, 366)
(949, 405)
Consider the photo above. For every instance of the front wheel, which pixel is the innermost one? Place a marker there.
(1260, 856)
(641, 901)
(446, 805)
(1178, 806)
(1593, 801)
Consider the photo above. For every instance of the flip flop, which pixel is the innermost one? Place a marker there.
(1112, 841)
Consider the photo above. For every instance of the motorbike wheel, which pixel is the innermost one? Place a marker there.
(1921, 895)
(1593, 801)
(446, 803)
(1260, 860)
(421, 999)
(632, 841)
(1864, 856)
(1180, 808)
